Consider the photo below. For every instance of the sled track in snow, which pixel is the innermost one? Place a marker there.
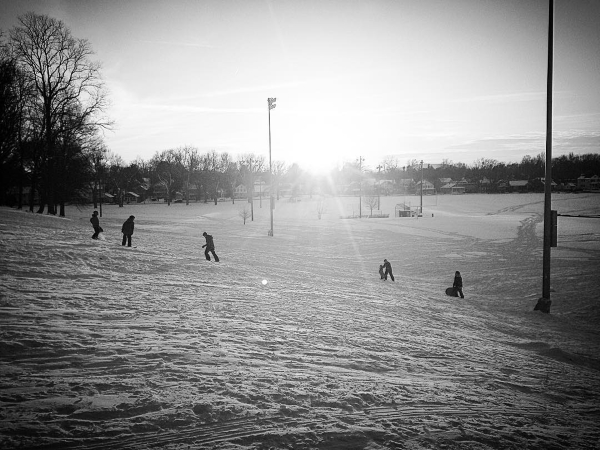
(210, 434)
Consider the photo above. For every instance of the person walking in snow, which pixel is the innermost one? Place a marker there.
(210, 247)
(127, 230)
(388, 270)
(458, 285)
(96, 224)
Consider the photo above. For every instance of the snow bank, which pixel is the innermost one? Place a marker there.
(108, 347)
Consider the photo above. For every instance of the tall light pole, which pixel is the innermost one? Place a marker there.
(544, 303)
(421, 188)
(360, 160)
(272, 105)
(379, 167)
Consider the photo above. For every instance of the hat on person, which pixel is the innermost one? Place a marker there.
(95, 213)
(204, 234)
(132, 217)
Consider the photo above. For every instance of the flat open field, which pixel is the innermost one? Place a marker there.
(154, 347)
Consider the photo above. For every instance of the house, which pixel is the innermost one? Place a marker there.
(485, 184)
(385, 187)
(428, 188)
(452, 188)
(131, 197)
(518, 186)
(240, 191)
(588, 183)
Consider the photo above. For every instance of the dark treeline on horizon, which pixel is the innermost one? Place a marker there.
(52, 113)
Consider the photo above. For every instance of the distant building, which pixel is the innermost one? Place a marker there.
(452, 188)
(428, 188)
(131, 197)
(385, 187)
(240, 191)
(588, 183)
(518, 186)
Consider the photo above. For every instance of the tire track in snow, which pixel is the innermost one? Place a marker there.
(257, 427)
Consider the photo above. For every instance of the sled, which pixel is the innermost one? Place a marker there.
(452, 292)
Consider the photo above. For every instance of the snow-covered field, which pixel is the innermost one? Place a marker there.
(154, 347)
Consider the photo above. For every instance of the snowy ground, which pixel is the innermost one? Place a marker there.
(154, 347)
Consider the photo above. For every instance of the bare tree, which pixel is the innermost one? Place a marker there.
(167, 167)
(250, 166)
(68, 87)
(232, 175)
(191, 161)
(213, 167)
(244, 214)
(321, 208)
(96, 152)
(371, 201)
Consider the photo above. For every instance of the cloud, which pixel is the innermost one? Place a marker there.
(175, 43)
(563, 142)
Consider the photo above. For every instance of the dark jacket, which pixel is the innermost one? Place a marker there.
(457, 282)
(95, 221)
(387, 267)
(210, 245)
(127, 228)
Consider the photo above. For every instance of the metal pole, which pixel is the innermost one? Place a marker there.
(548, 180)
(360, 187)
(421, 187)
(270, 171)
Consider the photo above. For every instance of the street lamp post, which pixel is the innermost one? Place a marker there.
(272, 105)
(421, 189)
(360, 160)
(544, 302)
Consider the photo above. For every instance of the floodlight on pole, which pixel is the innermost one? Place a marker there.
(272, 105)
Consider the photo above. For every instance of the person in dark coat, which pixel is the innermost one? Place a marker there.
(127, 230)
(96, 224)
(388, 270)
(210, 247)
(458, 285)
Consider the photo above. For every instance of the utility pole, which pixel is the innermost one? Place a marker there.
(272, 105)
(379, 167)
(544, 302)
(421, 188)
(360, 160)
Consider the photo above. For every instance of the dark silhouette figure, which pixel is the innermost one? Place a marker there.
(388, 270)
(96, 224)
(210, 247)
(127, 230)
(458, 285)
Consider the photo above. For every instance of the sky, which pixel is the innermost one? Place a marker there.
(431, 80)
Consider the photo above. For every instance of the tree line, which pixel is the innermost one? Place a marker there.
(52, 109)
(53, 106)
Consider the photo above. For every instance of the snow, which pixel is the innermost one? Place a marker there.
(103, 346)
